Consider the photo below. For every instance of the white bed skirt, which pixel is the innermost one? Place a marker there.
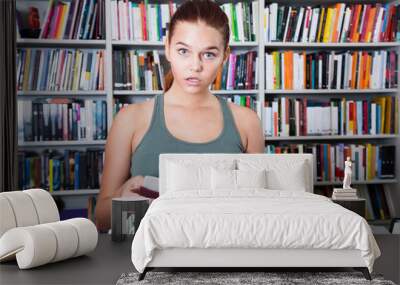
(226, 257)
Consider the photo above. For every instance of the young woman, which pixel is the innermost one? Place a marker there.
(187, 118)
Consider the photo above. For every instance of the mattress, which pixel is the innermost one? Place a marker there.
(250, 218)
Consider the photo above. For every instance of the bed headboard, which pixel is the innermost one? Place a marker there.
(283, 160)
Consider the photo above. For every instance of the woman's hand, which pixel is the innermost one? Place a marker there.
(130, 187)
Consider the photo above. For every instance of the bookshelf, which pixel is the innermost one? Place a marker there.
(260, 46)
(349, 94)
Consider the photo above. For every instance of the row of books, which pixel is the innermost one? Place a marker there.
(62, 119)
(73, 19)
(378, 197)
(238, 72)
(142, 70)
(370, 161)
(244, 100)
(379, 202)
(88, 212)
(60, 69)
(241, 100)
(335, 23)
(75, 69)
(137, 70)
(55, 170)
(286, 116)
(243, 20)
(143, 21)
(288, 70)
(140, 21)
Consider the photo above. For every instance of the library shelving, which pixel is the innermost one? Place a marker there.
(256, 40)
(305, 43)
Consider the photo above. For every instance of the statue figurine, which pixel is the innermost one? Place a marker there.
(347, 173)
(33, 18)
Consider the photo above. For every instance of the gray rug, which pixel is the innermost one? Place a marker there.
(229, 278)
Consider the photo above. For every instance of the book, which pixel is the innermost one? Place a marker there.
(150, 187)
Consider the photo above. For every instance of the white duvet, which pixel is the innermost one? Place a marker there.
(253, 218)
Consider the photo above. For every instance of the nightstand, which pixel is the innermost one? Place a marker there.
(356, 205)
(126, 214)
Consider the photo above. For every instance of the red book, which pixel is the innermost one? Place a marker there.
(144, 28)
(146, 192)
(248, 101)
(58, 20)
(247, 82)
(252, 55)
(365, 117)
(365, 23)
(387, 31)
(48, 20)
(53, 24)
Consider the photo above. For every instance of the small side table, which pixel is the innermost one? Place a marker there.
(356, 205)
(126, 214)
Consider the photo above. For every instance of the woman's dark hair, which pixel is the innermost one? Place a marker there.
(193, 11)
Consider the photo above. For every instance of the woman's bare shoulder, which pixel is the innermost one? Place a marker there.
(249, 127)
(134, 115)
(244, 116)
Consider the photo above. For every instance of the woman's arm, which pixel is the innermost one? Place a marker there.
(116, 169)
(249, 127)
(254, 133)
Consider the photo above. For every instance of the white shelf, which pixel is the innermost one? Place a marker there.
(336, 137)
(331, 91)
(60, 43)
(62, 93)
(375, 181)
(124, 43)
(160, 44)
(150, 93)
(75, 192)
(137, 92)
(235, 92)
(331, 45)
(61, 143)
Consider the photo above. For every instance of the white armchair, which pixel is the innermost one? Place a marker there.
(31, 231)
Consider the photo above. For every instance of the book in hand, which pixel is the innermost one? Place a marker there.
(149, 188)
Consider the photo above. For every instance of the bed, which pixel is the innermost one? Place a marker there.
(246, 211)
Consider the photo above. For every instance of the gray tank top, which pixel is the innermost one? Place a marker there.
(159, 140)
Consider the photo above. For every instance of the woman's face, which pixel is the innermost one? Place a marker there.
(195, 53)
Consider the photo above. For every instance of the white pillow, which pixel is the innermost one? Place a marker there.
(292, 175)
(237, 179)
(223, 179)
(251, 178)
(186, 175)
